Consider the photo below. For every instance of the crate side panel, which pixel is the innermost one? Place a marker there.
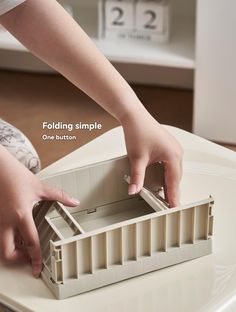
(110, 183)
(99, 258)
(106, 183)
(45, 236)
(83, 184)
(134, 268)
(69, 183)
(201, 222)
(172, 229)
(122, 168)
(114, 250)
(69, 261)
(84, 255)
(56, 269)
(158, 234)
(129, 242)
(97, 179)
(53, 181)
(187, 226)
(143, 238)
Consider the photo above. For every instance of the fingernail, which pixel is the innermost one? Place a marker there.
(36, 270)
(132, 189)
(174, 204)
(36, 274)
(75, 201)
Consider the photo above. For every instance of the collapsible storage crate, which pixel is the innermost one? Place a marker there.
(112, 236)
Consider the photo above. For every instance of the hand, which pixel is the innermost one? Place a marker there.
(19, 191)
(148, 142)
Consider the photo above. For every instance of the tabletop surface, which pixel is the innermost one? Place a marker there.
(204, 284)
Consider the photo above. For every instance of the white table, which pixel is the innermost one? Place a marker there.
(205, 284)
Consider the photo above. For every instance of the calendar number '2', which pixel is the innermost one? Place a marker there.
(150, 24)
(118, 20)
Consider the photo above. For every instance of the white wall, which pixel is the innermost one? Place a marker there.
(215, 80)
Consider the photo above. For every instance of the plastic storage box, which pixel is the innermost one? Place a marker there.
(112, 236)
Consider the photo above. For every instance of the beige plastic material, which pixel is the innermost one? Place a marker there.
(112, 236)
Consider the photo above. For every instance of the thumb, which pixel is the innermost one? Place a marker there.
(56, 194)
(138, 168)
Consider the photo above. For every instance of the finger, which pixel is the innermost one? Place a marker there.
(9, 252)
(31, 243)
(173, 173)
(138, 168)
(52, 193)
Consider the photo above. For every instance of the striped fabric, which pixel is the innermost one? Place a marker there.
(19, 146)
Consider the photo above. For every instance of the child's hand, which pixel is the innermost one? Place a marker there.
(19, 191)
(148, 142)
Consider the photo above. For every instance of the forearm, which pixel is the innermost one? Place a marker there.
(46, 29)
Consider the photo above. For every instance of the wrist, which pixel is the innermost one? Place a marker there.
(132, 112)
(136, 117)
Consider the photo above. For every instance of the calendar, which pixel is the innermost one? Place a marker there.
(119, 15)
(143, 20)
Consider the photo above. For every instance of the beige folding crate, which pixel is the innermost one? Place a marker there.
(112, 236)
